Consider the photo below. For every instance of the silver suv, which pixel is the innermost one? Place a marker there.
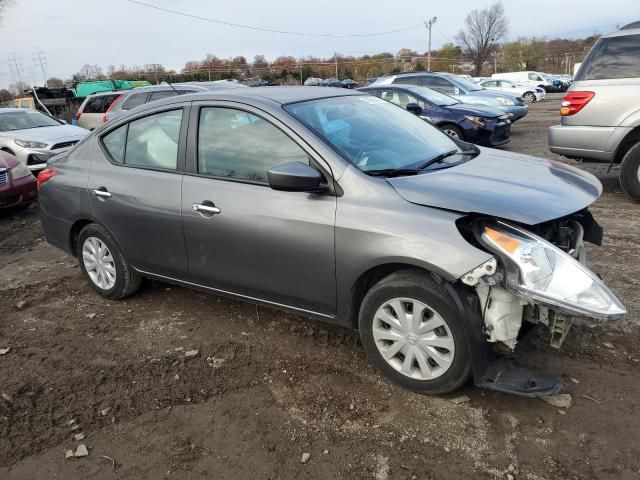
(600, 114)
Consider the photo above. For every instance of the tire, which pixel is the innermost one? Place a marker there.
(529, 97)
(381, 330)
(630, 172)
(452, 131)
(114, 278)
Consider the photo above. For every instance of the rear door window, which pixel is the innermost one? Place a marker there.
(150, 142)
(134, 100)
(407, 80)
(99, 103)
(163, 94)
(612, 58)
(438, 84)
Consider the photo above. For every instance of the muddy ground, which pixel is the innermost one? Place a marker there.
(266, 387)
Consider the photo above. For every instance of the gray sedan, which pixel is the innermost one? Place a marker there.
(34, 137)
(344, 207)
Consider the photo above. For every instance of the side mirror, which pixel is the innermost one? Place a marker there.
(414, 108)
(295, 177)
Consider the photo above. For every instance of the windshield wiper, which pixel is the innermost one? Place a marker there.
(442, 156)
(392, 172)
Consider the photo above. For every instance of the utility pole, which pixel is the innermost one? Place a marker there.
(429, 25)
(336, 59)
(15, 69)
(42, 62)
(300, 65)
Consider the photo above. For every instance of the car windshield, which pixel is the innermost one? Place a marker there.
(10, 121)
(465, 84)
(373, 134)
(434, 97)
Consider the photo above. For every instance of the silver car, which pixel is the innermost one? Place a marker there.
(344, 207)
(101, 107)
(34, 137)
(600, 114)
(529, 92)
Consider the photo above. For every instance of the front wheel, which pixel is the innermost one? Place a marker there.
(630, 173)
(453, 131)
(413, 333)
(104, 265)
(529, 97)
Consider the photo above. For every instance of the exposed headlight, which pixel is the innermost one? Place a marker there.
(20, 171)
(476, 120)
(506, 101)
(29, 144)
(541, 273)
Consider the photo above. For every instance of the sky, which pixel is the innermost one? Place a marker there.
(70, 33)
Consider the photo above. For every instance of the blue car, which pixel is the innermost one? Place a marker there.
(481, 125)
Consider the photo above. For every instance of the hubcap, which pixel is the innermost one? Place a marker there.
(99, 263)
(529, 98)
(413, 338)
(452, 133)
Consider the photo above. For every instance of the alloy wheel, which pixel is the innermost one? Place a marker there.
(529, 97)
(98, 262)
(451, 133)
(413, 338)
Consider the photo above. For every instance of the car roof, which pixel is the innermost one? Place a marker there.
(13, 109)
(631, 29)
(278, 95)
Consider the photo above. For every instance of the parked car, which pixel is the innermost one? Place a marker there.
(462, 90)
(256, 82)
(472, 123)
(101, 107)
(332, 82)
(527, 76)
(600, 114)
(529, 92)
(34, 137)
(17, 183)
(341, 206)
(349, 83)
(313, 82)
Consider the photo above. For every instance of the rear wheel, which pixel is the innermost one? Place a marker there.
(630, 173)
(529, 97)
(104, 265)
(413, 333)
(453, 131)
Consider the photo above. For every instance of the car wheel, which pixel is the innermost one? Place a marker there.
(104, 265)
(630, 173)
(413, 333)
(529, 97)
(452, 131)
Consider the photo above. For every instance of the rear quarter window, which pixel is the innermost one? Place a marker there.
(612, 58)
(134, 100)
(99, 104)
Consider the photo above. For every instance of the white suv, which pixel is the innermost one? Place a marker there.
(600, 114)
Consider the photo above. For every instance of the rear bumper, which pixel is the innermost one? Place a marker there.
(582, 142)
(57, 232)
(20, 192)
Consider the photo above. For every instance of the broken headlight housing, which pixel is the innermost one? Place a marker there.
(541, 273)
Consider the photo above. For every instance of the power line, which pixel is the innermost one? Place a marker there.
(42, 62)
(270, 30)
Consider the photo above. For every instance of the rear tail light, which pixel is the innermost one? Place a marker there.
(573, 102)
(113, 104)
(78, 115)
(45, 175)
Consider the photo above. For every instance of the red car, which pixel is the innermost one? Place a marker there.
(18, 186)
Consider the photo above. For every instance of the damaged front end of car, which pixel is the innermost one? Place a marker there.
(537, 275)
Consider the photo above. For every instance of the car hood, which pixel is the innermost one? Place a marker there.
(467, 109)
(515, 187)
(48, 134)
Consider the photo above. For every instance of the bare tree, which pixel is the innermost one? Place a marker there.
(483, 30)
(55, 82)
(89, 72)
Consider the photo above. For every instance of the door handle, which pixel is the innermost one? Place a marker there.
(101, 193)
(206, 209)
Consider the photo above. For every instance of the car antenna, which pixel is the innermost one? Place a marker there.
(172, 88)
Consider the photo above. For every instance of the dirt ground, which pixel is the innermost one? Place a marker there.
(266, 387)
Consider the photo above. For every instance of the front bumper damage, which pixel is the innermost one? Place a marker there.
(500, 315)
